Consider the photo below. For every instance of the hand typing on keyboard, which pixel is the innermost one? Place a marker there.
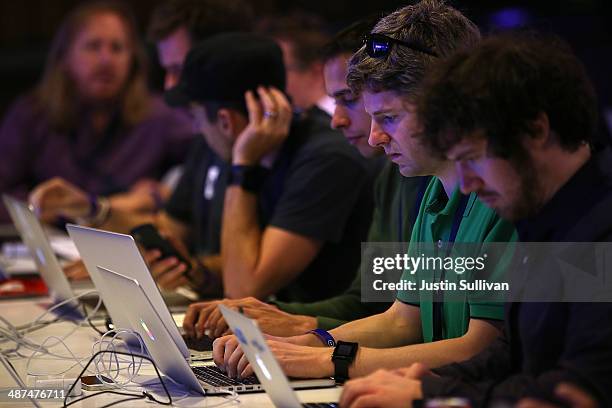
(205, 316)
(296, 361)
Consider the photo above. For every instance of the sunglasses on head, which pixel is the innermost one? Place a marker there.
(379, 45)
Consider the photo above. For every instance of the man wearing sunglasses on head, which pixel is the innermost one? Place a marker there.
(388, 73)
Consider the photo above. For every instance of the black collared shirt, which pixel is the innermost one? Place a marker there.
(548, 343)
(571, 205)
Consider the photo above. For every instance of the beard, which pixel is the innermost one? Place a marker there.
(526, 201)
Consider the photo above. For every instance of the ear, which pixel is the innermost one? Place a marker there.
(316, 69)
(541, 135)
(225, 122)
(231, 123)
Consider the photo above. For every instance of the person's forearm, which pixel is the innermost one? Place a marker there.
(343, 307)
(433, 355)
(240, 243)
(125, 212)
(367, 332)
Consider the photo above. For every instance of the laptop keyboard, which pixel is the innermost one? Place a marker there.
(214, 376)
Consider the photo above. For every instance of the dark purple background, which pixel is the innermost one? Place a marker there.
(27, 26)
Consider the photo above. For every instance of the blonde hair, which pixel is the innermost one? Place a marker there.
(57, 97)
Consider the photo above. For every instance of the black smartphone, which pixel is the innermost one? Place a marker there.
(148, 236)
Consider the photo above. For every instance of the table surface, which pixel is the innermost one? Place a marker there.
(80, 343)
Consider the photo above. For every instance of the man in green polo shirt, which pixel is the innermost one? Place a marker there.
(436, 220)
(388, 73)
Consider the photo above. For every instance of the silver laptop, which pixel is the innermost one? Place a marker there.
(35, 239)
(209, 379)
(264, 364)
(119, 251)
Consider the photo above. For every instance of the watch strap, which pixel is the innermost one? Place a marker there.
(250, 178)
(325, 337)
(343, 362)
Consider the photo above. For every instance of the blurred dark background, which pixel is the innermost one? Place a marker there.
(27, 26)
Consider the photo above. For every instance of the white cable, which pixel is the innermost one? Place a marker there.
(110, 348)
(234, 398)
(72, 358)
(14, 333)
(21, 340)
(11, 370)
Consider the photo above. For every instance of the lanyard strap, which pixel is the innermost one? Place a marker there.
(458, 216)
(438, 315)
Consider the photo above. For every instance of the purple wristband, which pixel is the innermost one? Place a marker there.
(324, 336)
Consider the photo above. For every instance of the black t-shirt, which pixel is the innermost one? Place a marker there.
(318, 187)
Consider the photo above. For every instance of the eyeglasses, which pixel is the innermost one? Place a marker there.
(379, 45)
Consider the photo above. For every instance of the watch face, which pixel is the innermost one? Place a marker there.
(344, 349)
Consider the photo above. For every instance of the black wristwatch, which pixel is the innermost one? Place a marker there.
(343, 357)
(250, 178)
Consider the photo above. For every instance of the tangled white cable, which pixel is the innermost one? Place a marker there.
(109, 345)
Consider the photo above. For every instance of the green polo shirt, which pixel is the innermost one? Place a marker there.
(434, 224)
(394, 201)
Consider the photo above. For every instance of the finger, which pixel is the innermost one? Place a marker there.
(43, 190)
(283, 106)
(576, 396)
(174, 278)
(216, 323)
(253, 108)
(206, 321)
(352, 390)
(268, 106)
(162, 266)
(268, 102)
(201, 324)
(247, 372)
(192, 315)
(231, 363)
(151, 256)
(241, 366)
(46, 206)
(219, 351)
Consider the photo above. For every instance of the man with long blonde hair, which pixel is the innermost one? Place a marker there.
(91, 122)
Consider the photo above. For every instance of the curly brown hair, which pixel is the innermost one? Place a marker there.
(501, 86)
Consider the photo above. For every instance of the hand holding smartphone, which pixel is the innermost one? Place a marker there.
(148, 236)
